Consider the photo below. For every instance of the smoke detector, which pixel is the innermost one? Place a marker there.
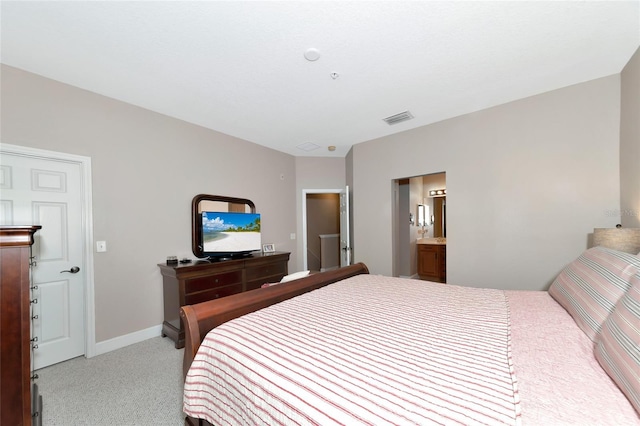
(312, 54)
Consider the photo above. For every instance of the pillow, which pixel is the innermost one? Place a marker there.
(590, 286)
(294, 276)
(287, 278)
(618, 344)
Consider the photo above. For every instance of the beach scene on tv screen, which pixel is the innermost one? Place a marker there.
(230, 232)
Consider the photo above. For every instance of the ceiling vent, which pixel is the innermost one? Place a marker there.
(398, 118)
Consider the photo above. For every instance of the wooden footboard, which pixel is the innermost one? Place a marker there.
(199, 319)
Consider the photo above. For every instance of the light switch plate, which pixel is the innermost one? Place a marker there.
(101, 246)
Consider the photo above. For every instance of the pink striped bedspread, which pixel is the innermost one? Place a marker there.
(560, 382)
(369, 350)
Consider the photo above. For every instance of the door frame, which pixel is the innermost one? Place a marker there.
(397, 220)
(86, 229)
(305, 265)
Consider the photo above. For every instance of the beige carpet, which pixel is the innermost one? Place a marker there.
(138, 385)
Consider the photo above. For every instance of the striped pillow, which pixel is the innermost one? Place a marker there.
(589, 287)
(618, 345)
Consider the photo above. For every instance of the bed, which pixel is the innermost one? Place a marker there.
(346, 347)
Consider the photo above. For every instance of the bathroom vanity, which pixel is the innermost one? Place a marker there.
(432, 259)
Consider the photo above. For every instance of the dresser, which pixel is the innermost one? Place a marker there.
(20, 403)
(187, 284)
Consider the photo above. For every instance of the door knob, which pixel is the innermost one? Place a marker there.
(73, 270)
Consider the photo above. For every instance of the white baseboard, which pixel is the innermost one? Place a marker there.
(127, 339)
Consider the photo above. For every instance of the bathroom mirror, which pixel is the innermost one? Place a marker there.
(217, 203)
(440, 217)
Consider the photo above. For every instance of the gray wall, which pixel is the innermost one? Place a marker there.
(403, 230)
(526, 183)
(146, 169)
(630, 144)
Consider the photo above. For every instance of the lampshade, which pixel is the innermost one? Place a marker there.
(621, 239)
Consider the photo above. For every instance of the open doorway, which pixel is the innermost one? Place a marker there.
(325, 229)
(419, 212)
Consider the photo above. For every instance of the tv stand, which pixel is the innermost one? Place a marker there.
(188, 284)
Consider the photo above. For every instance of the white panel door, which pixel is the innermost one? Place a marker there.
(345, 244)
(48, 192)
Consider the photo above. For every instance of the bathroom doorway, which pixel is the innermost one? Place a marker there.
(419, 211)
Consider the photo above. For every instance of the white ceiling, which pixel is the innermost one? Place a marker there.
(239, 67)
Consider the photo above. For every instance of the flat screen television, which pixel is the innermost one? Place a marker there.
(229, 234)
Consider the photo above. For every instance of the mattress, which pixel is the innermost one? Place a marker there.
(380, 350)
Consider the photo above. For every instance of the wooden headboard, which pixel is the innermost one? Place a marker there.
(200, 318)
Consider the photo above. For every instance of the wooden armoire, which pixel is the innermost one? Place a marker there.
(20, 403)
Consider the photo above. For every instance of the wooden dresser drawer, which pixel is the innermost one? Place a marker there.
(214, 293)
(266, 271)
(194, 285)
